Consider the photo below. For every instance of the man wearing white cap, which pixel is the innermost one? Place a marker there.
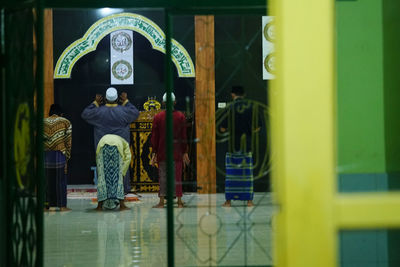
(158, 143)
(111, 118)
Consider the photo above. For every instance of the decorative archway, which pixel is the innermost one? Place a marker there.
(131, 21)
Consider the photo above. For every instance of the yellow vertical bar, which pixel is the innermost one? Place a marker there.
(302, 114)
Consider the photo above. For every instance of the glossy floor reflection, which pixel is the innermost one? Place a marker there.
(206, 234)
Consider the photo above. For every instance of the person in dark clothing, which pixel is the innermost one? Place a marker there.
(239, 124)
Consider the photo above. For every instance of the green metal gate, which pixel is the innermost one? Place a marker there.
(21, 182)
(21, 219)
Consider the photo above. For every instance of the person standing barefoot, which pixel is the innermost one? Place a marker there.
(180, 155)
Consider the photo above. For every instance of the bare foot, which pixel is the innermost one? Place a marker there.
(64, 209)
(180, 204)
(250, 203)
(99, 208)
(159, 206)
(227, 204)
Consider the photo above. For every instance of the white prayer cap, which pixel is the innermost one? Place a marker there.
(164, 98)
(111, 94)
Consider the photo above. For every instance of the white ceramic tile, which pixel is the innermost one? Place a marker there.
(206, 234)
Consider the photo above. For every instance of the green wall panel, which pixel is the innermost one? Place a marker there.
(361, 147)
(363, 248)
(391, 42)
(2, 224)
(363, 182)
(394, 248)
(362, 121)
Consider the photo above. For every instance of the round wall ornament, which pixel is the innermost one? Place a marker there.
(269, 31)
(122, 70)
(121, 42)
(269, 63)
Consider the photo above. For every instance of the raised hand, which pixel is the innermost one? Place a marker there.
(99, 99)
(153, 160)
(123, 97)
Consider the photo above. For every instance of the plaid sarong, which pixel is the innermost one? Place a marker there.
(239, 176)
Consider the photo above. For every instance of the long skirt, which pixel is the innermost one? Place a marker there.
(239, 176)
(162, 173)
(110, 185)
(56, 179)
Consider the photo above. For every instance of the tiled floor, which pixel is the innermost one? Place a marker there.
(206, 234)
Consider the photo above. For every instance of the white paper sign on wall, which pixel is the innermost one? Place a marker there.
(121, 46)
(268, 62)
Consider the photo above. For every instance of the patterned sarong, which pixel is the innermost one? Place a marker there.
(110, 186)
(239, 176)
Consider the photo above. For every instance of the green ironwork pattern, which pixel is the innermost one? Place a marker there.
(24, 216)
(241, 67)
(240, 226)
(21, 141)
(261, 157)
